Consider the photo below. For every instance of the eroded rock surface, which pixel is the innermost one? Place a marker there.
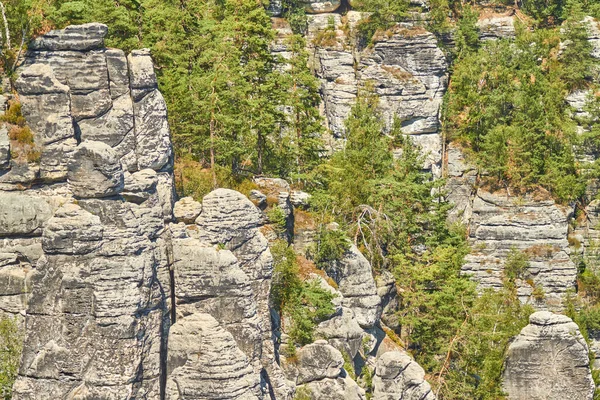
(548, 360)
(87, 267)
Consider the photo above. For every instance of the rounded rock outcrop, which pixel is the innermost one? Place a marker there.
(548, 360)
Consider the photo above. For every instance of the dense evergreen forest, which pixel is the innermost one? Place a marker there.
(237, 111)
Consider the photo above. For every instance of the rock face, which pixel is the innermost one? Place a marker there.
(407, 69)
(548, 360)
(537, 227)
(397, 376)
(222, 371)
(87, 266)
(125, 293)
(354, 276)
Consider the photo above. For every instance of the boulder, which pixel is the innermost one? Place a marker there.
(548, 360)
(22, 214)
(204, 362)
(354, 277)
(187, 210)
(398, 376)
(320, 6)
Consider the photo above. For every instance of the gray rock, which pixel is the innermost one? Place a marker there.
(139, 186)
(275, 8)
(222, 371)
(548, 360)
(74, 37)
(318, 361)
(72, 230)
(153, 143)
(141, 71)
(118, 72)
(22, 215)
(390, 299)
(96, 312)
(341, 388)
(397, 376)
(320, 6)
(535, 226)
(354, 276)
(95, 171)
(187, 210)
(496, 26)
(4, 148)
(258, 198)
(46, 105)
(226, 295)
(342, 332)
(299, 199)
(407, 68)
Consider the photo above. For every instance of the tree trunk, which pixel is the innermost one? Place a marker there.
(212, 149)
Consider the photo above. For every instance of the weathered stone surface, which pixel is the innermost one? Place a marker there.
(275, 8)
(320, 6)
(299, 199)
(204, 362)
(390, 300)
(187, 210)
(22, 215)
(536, 226)
(45, 104)
(354, 276)
(318, 361)
(548, 360)
(73, 37)
(91, 275)
(4, 148)
(460, 185)
(95, 171)
(139, 186)
(341, 388)
(258, 198)
(226, 294)
(397, 376)
(72, 230)
(495, 26)
(342, 332)
(96, 313)
(406, 67)
(153, 144)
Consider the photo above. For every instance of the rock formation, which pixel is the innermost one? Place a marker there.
(125, 293)
(93, 276)
(548, 360)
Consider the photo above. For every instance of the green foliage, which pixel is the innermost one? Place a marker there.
(506, 104)
(479, 347)
(13, 114)
(277, 217)
(330, 246)
(11, 343)
(295, 14)
(349, 365)
(383, 15)
(367, 381)
(467, 33)
(544, 12)
(304, 302)
(515, 266)
(302, 393)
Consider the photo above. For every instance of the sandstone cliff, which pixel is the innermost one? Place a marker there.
(124, 293)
